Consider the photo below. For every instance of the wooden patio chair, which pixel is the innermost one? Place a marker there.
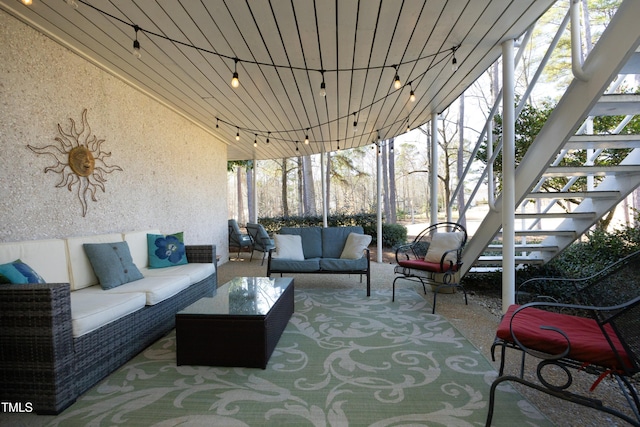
(590, 324)
(434, 257)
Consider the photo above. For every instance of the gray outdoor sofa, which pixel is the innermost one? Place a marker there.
(59, 338)
(328, 250)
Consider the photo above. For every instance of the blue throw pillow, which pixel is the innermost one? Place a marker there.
(166, 250)
(17, 272)
(112, 263)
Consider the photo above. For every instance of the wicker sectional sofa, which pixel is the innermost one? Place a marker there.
(59, 338)
(323, 252)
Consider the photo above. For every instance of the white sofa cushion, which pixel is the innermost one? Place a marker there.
(156, 289)
(80, 270)
(137, 241)
(195, 271)
(48, 258)
(92, 308)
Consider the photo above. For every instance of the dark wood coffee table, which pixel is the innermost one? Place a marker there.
(239, 326)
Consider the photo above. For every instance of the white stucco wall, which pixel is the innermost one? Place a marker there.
(173, 172)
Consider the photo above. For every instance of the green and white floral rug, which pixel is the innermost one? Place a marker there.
(344, 359)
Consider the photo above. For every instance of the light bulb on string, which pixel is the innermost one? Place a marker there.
(235, 82)
(454, 61)
(238, 134)
(306, 137)
(355, 123)
(323, 87)
(27, 2)
(412, 95)
(136, 44)
(268, 134)
(255, 141)
(396, 80)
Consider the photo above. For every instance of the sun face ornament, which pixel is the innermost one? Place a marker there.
(80, 161)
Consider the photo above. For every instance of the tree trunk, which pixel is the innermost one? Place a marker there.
(241, 218)
(308, 187)
(460, 162)
(393, 219)
(301, 211)
(250, 199)
(385, 182)
(285, 201)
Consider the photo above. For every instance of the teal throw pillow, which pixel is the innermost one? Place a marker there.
(17, 272)
(166, 250)
(112, 263)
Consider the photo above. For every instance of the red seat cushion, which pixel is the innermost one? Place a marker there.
(419, 264)
(588, 343)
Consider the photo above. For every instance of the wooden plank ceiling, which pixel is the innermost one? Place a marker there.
(284, 49)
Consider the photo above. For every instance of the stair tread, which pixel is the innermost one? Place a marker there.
(573, 194)
(616, 105)
(603, 141)
(562, 171)
(556, 215)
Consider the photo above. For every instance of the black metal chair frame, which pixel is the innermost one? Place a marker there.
(237, 239)
(426, 274)
(263, 244)
(611, 297)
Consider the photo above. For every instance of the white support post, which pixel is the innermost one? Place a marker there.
(379, 201)
(254, 196)
(325, 221)
(434, 168)
(508, 176)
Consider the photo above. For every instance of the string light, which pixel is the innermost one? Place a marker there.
(136, 44)
(454, 61)
(255, 141)
(323, 87)
(396, 80)
(306, 137)
(412, 95)
(235, 82)
(268, 134)
(27, 2)
(355, 123)
(235, 79)
(408, 125)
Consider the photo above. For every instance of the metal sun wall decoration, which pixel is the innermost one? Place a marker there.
(80, 161)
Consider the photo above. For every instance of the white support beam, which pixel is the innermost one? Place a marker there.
(509, 177)
(379, 200)
(433, 216)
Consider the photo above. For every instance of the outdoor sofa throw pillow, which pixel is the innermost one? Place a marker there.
(442, 242)
(166, 250)
(355, 245)
(17, 272)
(289, 246)
(112, 263)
